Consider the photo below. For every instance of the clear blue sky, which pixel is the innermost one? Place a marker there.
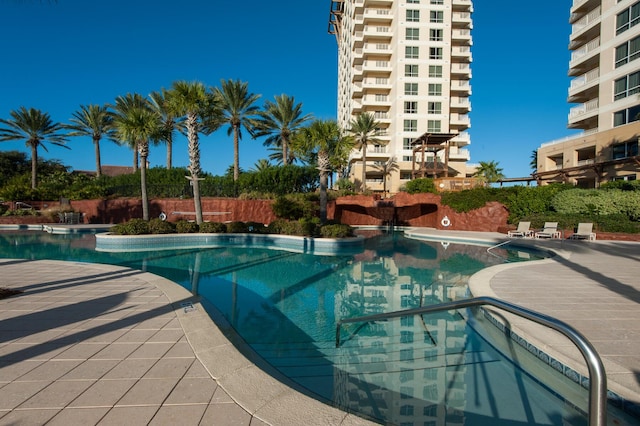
(60, 54)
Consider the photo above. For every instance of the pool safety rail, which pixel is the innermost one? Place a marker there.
(597, 374)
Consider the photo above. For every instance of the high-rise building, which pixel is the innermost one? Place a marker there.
(605, 66)
(407, 62)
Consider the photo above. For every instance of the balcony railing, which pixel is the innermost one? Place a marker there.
(588, 48)
(586, 20)
(582, 109)
(585, 79)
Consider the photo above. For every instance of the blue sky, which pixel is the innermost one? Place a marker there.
(59, 55)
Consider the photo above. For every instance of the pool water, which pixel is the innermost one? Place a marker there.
(438, 369)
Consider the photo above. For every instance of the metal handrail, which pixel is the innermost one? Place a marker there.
(597, 374)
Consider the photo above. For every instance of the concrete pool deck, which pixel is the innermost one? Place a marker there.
(99, 344)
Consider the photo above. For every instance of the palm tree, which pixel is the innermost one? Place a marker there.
(35, 127)
(489, 171)
(386, 168)
(363, 129)
(238, 110)
(278, 121)
(170, 123)
(136, 122)
(193, 101)
(261, 164)
(94, 121)
(321, 137)
(534, 160)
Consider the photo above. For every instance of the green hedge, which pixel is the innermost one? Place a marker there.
(597, 202)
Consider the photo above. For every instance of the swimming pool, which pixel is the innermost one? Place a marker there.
(438, 369)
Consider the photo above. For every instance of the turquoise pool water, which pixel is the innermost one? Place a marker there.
(439, 369)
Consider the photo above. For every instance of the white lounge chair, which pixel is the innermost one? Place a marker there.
(522, 231)
(550, 230)
(584, 232)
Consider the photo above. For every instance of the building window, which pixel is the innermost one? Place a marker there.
(435, 34)
(406, 375)
(406, 354)
(413, 1)
(435, 53)
(435, 70)
(435, 89)
(406, 392)
(406, 144)
(405, 175)
(430, 392)
(381, 97)
(407, 158)
(411, 52)
(437, 1)
(625, 150)
(628, 18)
(410, 107)
(434, 108)
(406, 321)
(412, 34)
(413, 15)
(406, 410)
(410, 125)
(626, 116)
(436, 16)
(406, 337)
(411, 70)
(434, 126)
(626, 86)
(628, 52)
(411, 88)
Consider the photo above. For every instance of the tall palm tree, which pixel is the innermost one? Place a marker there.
(136, 122)
(35, 128)
(489, 171)
(534, 160)
(238, 110)
(198, 106)
(94, 121)
(321, 137)
(278, 121)
(363, 129)
(170, 122)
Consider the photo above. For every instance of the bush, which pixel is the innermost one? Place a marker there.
(336, 231)
(186, 227)
(420, 185)
(158, 226)
(213, 228)
(237, 228)
(598, 202)
(624, 185)
(293, 207)
(133, 227)
(256, 227)
(277, 226)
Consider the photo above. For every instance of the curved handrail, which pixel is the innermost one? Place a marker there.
(597, 374)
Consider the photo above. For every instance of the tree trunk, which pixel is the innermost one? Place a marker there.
(135, 157)
(236, 153)
(194, 163)
(96, 144)
(169, 151)
(285, 153)
(34, 166)
(364, 167)
(323, 165)
(144, 152)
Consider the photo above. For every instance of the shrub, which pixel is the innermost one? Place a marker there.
(598, 202)
(158, 226)
(420, 185)
(133, 227)
(256, 227)
(336, 231)
(277, 226)
(213, 228)
(186, 227)
(293, 207)
(237, 228)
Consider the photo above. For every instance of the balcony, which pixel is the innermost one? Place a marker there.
(460, 104)
(373, 16)
(462, 87)
(461, 70)
(459, 120)
(461, 20)
(461, 53)
(463, 5)
(585, 52)
(461, 36)
(377, 49)
(580, 85)
(587, 108)
(382, 32)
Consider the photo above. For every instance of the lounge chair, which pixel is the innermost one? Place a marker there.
(522, 231)
(584, 232)
(550, 230)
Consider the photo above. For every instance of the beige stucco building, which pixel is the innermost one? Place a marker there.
(407, 63)
(605, 66)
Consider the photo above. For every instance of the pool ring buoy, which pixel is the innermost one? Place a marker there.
(445, 222)
(163, 216)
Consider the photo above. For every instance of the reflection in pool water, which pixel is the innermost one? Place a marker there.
(437, 369)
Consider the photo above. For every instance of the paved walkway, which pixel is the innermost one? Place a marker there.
(88, 344)
(99, 344)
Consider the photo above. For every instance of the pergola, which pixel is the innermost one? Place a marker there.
(431, 142)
